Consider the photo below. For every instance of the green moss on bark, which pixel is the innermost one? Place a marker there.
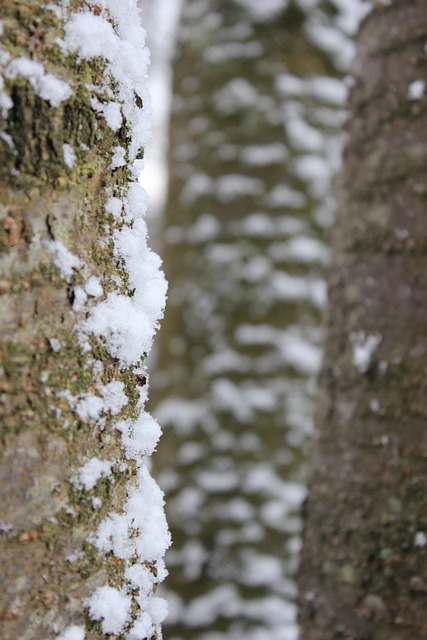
(42, 199)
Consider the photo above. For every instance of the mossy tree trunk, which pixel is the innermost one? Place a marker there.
(48, 567)
(363, 574)
(245, 257)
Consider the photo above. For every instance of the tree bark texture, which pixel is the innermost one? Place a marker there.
(363, 574)
(48, 567)
(231, 387)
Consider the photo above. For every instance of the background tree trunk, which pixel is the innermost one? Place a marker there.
(254, 126)
(55, 194)
(363, 574)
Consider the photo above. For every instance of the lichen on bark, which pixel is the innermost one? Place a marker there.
(48, 566)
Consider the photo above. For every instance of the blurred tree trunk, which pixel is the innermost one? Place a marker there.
(363, 573)
(48, 193)
(254, 127)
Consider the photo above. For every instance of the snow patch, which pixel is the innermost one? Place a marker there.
(111, 606)
(416, 90)
(72, 633)
(69, 155)
(45, 85)
(420, 539)
(63, 259)
(89, 474)
(364, 347)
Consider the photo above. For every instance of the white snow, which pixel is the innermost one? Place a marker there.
(416, 90)
(263, 155)
(145, 516)
(111, 111)
(283, 196)
(265, 10)
(238, 94)
(125, 319)
(96, 502)
(55, 344)
(114, 206)
(72, 633)
(323, 88)
(93, 35)
(69, 155)
(232, 50)
(229, 187)
(89, 407)
(119, 157)
(206, 228)
(89, 474)
(80, 298)
(374, 405)
(93, 287)
(420, 539)
(46, 86)
(111, 606)
(64, 259)
(140, 437)
(364, 347)
(115, 397)
(300, 249)
(295, 350)
(129, 323)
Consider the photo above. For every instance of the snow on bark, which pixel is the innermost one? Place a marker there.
(124, 320)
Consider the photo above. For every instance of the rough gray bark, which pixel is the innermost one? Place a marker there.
(47, 566)
(363, 574)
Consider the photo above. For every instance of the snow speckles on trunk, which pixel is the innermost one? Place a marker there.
(75, 220)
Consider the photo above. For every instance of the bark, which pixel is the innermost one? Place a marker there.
(364, 567)
(235, 403)
(48, 568)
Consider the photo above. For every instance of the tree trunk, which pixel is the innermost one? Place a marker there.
(63, 384)
(240, 342)
(363, 573)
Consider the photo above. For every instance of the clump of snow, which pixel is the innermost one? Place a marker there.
(72, 633)
(420, 539)
(93, 287)
(96, 502)
(113, 115)
(374, 405)
(154, 611)
(80, 298)
(66, 261)
(111, 111)
(89, 407)
(115, 397)
(111, 606)
(139, 438)
(89, 474)
(114, 206)
(69, 155)
(263, 11)
(91, 35)
(46, 85)
(364, 347)
(416, 90)
(129, 323)
(119, 157)
(55, 344)
(145, 516)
